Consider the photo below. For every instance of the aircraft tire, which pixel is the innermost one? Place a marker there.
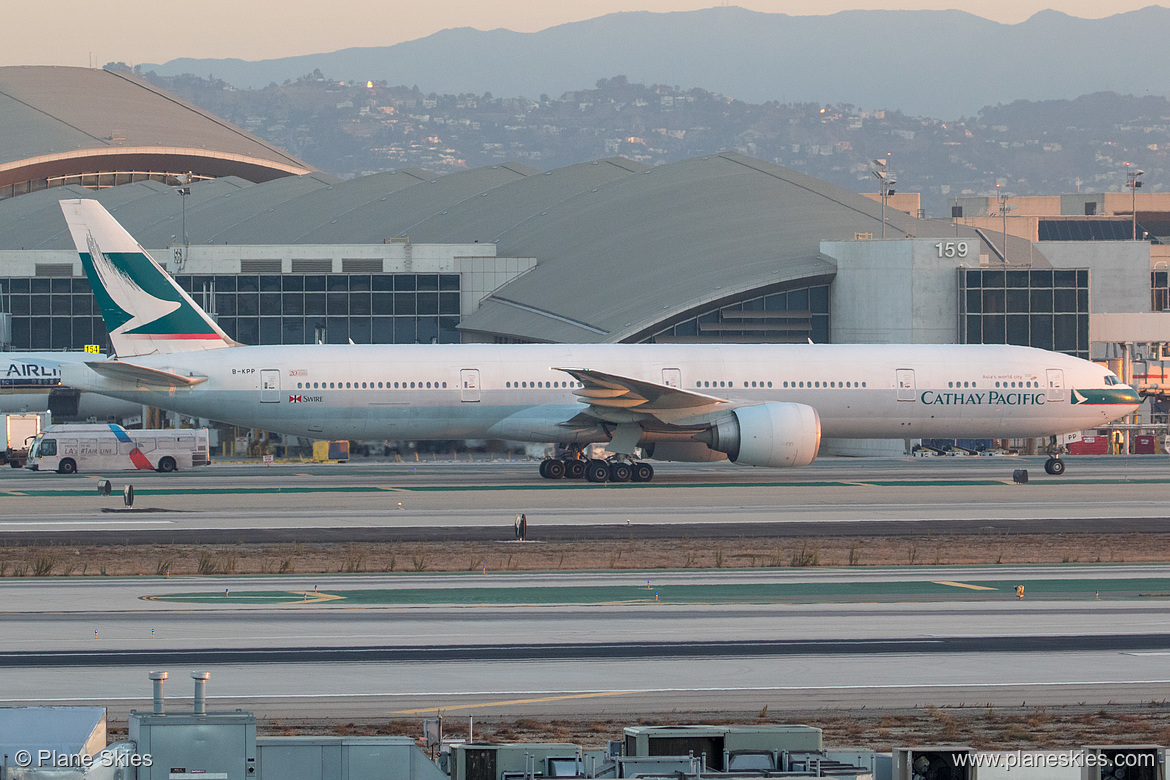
(574, 468)
(554, 469)
(642, 472)
(544, 469)
(1054, 466)
(620, 471)
(597, 471)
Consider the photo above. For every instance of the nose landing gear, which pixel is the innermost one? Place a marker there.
(1054, 465)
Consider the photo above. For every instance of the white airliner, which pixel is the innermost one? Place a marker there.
(31, 382)
(759, 405)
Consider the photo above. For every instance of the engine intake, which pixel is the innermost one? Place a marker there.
(780, 435)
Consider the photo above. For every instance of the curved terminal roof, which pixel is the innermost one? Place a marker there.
(622, 250)
(59, 122)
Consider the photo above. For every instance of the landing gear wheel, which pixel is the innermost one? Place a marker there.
(620, 472)
(574, 469)
(597, 471)
(1054, 466)
(555, 469)
(544, 468)
(643, 472)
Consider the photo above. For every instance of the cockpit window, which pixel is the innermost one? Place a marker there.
(1111, 380)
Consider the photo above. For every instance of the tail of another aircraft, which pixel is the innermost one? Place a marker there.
(144, 310)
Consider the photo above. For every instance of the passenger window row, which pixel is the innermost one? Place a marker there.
(419, 385)
(369, 385)
(544, 385)
(706, 384)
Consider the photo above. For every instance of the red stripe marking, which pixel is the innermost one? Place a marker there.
(139, 460)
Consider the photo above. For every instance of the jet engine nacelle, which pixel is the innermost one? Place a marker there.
(780, 435)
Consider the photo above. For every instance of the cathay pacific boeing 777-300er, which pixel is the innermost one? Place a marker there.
(758, 404)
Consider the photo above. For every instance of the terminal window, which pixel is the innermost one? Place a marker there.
(1159, 291)
(59, 313)
(331, 308)
(52, 313)
(790, 316)
(1034, 307)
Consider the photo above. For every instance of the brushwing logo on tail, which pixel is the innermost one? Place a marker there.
(139, 307)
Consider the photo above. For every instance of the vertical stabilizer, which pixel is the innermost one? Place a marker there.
(144, 310)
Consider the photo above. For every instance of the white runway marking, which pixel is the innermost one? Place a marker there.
(22, 523)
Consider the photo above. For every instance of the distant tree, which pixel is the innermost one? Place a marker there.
(118, 67)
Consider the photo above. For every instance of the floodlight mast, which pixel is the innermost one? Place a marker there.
(184, 190)
(886, 181)
(1133, 182)
(1004, 208)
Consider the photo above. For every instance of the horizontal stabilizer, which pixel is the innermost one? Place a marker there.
(116, 369)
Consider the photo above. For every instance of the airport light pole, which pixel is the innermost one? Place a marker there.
(1004, 208)
(184, 190)
(886, 181)
(1133, 181)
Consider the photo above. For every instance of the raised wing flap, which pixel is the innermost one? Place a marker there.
(622, 392)
(116, 369)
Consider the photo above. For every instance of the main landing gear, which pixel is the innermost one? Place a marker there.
(596, 470)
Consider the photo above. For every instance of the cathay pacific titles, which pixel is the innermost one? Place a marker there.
(991, 398)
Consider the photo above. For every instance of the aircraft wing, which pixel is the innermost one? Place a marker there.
(116, 369)
(606, 391)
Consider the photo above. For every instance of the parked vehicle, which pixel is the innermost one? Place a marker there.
(20, 428)
(68, 449)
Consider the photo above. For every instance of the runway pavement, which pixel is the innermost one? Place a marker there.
(395, 645)
(374, 501)
(593, 643)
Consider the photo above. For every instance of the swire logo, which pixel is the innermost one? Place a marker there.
(294, 399)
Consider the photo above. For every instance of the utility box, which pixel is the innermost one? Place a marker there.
(504, 762)
(1144, 444)
(343, 758)
(1090, 445)
(722, 745)
(324, 451)
(188, 746)
(1131, 762)
(934, 763)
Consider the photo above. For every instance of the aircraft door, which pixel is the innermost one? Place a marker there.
(906, 389)
(269, 386)
(1055, 390)
(469, 385)
(672, 377)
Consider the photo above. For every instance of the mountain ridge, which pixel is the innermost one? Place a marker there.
(946, 63)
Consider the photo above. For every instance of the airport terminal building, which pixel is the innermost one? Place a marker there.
(722, 248)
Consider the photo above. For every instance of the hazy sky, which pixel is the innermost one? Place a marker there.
(78, 32)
